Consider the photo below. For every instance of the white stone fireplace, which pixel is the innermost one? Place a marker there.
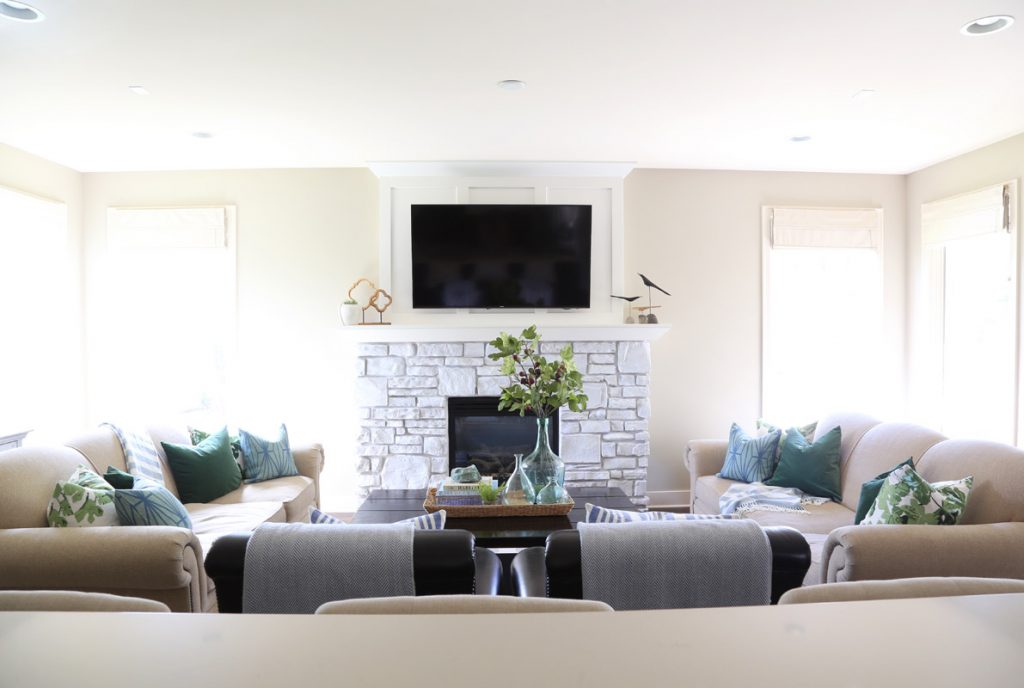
(404, 376)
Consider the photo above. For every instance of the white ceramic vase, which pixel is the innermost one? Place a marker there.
(351, 313)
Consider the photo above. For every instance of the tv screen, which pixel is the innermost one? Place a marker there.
(501, 256)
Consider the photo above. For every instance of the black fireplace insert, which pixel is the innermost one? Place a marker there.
(480, 435)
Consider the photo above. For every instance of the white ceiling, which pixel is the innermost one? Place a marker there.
(663, 83)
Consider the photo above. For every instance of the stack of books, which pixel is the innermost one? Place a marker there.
(452, 493)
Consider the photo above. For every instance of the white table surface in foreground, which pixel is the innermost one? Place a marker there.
(962, 641)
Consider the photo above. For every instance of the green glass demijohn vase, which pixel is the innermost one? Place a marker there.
(518, 489)
(542, 466)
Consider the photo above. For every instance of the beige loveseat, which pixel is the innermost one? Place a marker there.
(156, 562)
(988, 543)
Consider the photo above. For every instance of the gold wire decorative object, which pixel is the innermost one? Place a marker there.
(374, 303)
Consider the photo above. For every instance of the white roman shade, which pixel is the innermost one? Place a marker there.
(985, 211)
(826, 228)
(167, 227)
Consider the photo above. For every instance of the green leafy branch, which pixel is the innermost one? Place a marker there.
(536, 385)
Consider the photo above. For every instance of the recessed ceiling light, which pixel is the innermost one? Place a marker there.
(19, 11)
(139, 90)
(865, 94)
(987, 25)
(202, 135)
(799, 139)
(512, 85)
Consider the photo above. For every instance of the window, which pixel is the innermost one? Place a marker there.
(822, 312)
(40, 348)
(970, 342)
(165, 332)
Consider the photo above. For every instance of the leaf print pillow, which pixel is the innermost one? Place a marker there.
(907, 498)
(85, 499)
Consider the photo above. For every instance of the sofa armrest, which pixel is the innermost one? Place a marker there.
(704, 457)
(145, 561)
(310, 462)
(873, 552)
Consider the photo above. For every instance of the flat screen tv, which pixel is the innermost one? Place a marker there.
(501, 256)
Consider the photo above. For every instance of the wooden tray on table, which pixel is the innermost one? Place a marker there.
(492, 510)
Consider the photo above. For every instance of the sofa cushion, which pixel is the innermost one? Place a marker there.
(84, 499)
(102, 448)
(210, 521)
(296, 492)
(907, 498)
(881, 448)
(869, 492)
(819, 518)
(266, 459)
(205, 471)
(149, 503)
(811, 468)
(749, 459)
(998, 469)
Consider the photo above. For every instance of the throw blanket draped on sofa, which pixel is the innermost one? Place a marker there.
(675, 564)
(293, 568)
(741, 498)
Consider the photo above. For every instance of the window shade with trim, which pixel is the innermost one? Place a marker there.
(167, 227)
(826, 228)
(985, 211)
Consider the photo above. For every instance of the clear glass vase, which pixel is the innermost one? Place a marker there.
(518, 489)
(542, 466)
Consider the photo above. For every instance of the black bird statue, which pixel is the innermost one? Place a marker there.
(651, 318)
(626, 298)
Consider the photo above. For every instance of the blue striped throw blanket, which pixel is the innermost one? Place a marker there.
(140, 455)
(742, 498)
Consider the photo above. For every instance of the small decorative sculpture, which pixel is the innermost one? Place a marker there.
(649, 318)
(468, 474)
(374, 302)
(629, 310)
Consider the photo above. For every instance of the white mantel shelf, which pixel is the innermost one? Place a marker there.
(447, 333)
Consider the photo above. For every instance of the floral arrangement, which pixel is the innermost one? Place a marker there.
(536, 385)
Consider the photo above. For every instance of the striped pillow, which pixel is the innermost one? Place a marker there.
(434, 521)
(599, 514)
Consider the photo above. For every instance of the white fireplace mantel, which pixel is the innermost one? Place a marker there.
(477, 333)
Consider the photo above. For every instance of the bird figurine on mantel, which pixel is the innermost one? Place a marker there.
(649, 318)
(629, 311)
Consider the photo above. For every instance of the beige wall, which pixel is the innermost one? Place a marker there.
(698, 234)
(303, 237)
(34, 175)
(993, 164)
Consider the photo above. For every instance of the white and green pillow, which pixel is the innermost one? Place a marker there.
(85, 499)
(907, 498)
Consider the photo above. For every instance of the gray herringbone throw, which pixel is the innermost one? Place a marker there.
(676, 564)
(293, 568)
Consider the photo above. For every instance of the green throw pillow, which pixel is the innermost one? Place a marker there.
(206, 471)
(84, 499)
(907, 498)
(764, 428)
(196, 436)
(811, 468)
(869, 491)
(118, 479)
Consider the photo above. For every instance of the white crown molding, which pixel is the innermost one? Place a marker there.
(484, 168)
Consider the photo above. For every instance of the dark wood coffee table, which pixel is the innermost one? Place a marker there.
(388, 506)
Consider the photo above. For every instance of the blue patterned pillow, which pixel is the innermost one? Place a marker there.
(750, 459)
(599, 514)
(147, 503)
(264, 459)
(434, 521)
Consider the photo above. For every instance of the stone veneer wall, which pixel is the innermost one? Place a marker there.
(402, 391)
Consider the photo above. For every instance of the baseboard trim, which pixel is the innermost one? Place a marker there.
(669, 499)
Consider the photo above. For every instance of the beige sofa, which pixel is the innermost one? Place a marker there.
(154, 562)
(988, 543)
